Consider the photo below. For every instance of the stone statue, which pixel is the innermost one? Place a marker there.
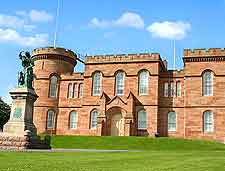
(26, 76)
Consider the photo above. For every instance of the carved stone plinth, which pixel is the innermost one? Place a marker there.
(19, 132)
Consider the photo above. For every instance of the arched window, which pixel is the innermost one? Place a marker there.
(73, 120)
(178, 88)
(70, 90)
(143, 82)
(166, 89)
(171, 89)
(53, 86)
(208, 121)
(75, 90)
(120, 83)
(81, 90)
(172, 121)
(94, 115)
(207, 83)
(97, 84)
(50, 119)
(142, 123)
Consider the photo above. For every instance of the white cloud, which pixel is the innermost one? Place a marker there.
(11, 21)
(127, 19)
(169, 30)
(12, 36)
(40, 16)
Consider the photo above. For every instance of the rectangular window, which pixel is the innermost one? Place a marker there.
(172, 89)
(75, 90)
(178, 88)
(171, 121)
(166, 89)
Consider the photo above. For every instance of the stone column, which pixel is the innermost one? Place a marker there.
(101, 124)
(127, 126)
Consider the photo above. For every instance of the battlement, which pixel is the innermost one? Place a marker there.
(123, 58)
(54, 51)
(204, 52)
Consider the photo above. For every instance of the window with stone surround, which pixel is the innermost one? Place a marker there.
(120, 79)
(73, 120)
(178, 88)
(166, 89)
(171, 121)
(207, 81)
(208, 121)
(81, 90)
(94, 115)
(172, 89)
(75, 90)
(70, 90)
(143, 82)
(53, 86)
(96, 84)
(50, 119)
(142, 119)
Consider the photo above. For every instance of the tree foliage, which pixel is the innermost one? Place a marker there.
(4, 113)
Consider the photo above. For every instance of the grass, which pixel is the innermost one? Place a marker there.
(133, 143)
(161, 154)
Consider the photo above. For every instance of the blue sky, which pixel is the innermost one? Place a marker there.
(107, 27)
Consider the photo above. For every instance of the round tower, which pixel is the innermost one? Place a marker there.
(49, 64)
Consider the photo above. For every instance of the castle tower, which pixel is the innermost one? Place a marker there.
(49, 63)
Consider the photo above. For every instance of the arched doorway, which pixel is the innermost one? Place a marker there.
(115, 121)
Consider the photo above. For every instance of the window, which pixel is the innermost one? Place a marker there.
(50, 119)
(166, 89)
(208, 83)
(171, 121)
(143, 83)
(81, 90)
(120, 83)
(70, 90)
(208, 121)
(73, 120)
(97, 85)
(53, 86)
(171, 88)
(178, 88)
(94, 115)
(142, 124)
(75, 90)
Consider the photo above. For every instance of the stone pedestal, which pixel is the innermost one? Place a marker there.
(19, 132)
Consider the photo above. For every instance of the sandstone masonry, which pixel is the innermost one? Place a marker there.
(118, 114)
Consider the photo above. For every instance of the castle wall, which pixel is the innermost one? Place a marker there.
(189, 106)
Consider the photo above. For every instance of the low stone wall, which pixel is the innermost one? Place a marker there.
(8, 142)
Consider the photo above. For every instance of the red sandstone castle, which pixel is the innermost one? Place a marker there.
(134, 94)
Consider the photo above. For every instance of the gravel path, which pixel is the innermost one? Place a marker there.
(71, 150)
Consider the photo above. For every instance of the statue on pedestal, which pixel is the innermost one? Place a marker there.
(20, 132)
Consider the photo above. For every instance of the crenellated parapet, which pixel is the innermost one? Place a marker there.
(205, 55)
(54, 53)
(121, 58)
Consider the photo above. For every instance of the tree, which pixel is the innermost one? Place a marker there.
(4, 113)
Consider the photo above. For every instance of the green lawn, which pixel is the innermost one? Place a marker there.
(133, 143)
(161, 154)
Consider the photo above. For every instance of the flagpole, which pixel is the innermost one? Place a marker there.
(56, 24)
(174, 55)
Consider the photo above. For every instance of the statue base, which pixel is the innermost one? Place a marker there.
(20, 132)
